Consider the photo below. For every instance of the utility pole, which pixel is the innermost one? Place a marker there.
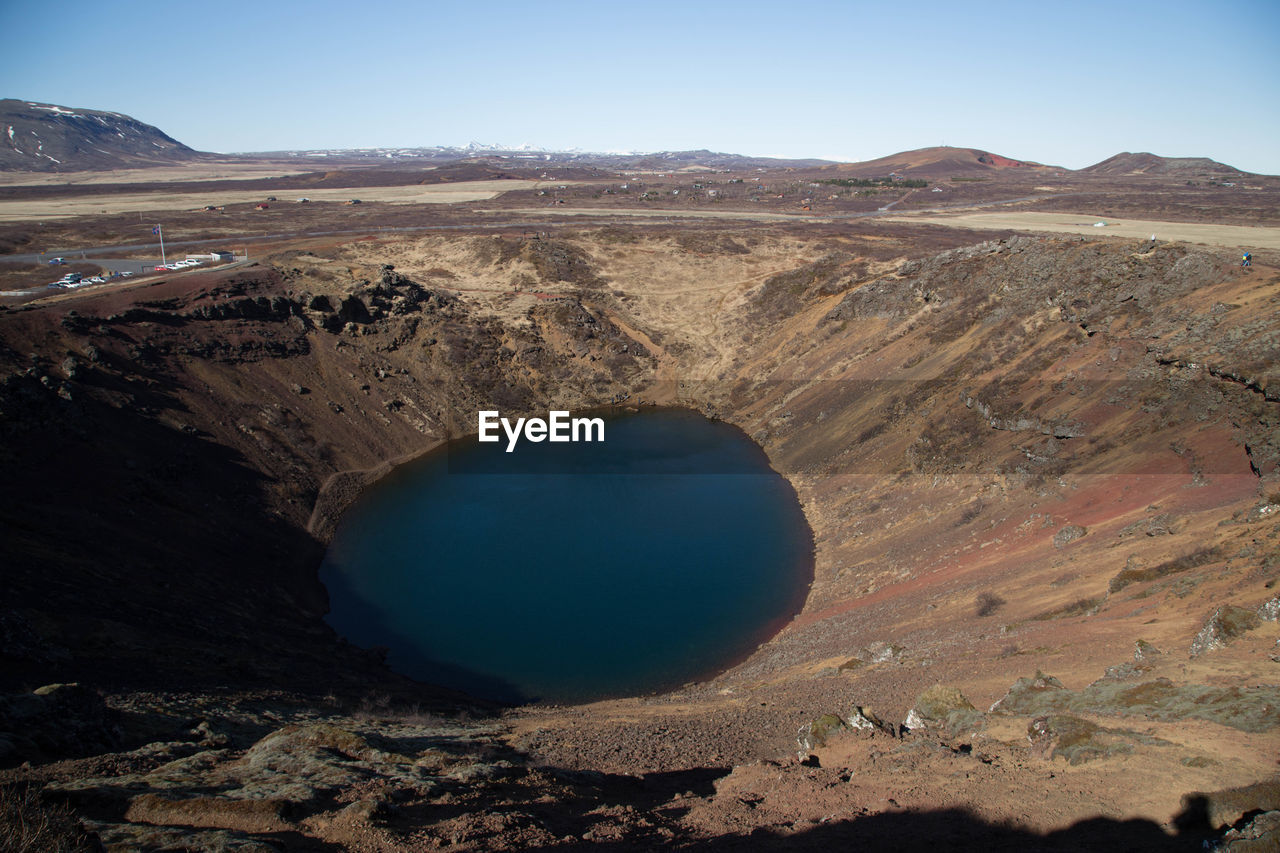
(159, 229)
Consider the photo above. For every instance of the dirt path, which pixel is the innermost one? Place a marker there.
(760, 216)
(1082, 223)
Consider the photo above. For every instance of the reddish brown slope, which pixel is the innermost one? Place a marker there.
(940, 162)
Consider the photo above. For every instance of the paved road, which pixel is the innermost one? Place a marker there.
(176, 251)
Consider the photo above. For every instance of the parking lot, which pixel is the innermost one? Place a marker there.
(115, 269)
(78, 274)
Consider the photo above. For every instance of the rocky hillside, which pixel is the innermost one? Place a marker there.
(48, 138)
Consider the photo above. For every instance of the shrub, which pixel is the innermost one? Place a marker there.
(988, 603)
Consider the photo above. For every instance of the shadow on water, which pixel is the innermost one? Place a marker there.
(404, 657)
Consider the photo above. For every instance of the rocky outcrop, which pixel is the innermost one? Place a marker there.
(1079, 740)
(1255, 709)
(1269, 610)
(1223, 626)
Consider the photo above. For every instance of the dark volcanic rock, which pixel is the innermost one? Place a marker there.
(53, 722)
(884, 298)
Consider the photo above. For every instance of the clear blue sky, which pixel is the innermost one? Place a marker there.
(1067, 83)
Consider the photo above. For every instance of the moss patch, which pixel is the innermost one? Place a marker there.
(1078, 740)
(1180, 564)
(1255, 709)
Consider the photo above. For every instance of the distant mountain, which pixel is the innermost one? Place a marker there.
(704, 159)
(497, 155)
(48, 138)
(1128, 163)
(939, 162)
(37, 137)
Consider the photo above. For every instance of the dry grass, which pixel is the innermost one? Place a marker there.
(24, 210)
(29, 825)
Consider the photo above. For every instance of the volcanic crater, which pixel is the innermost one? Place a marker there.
(1041, 472)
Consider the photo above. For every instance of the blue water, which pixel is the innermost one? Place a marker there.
(573, 572)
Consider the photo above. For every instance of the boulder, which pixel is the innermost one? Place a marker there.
(1029, 694)
(1142, 650)
(866, 721)
(1067, 535)
(1269, 611)
(814, 735)
(1222, 627)
(944, 708)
